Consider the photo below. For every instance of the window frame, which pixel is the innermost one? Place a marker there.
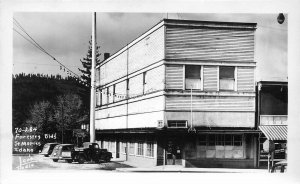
(131, 150)
(201, 77)
(234, 78)
(140, 149)
(151, 149)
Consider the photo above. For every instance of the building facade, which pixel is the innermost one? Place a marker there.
(272, 118)
(182, 93)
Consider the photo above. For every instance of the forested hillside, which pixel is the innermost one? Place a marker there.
(30, 89)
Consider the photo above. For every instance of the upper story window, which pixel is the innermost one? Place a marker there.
(227, 78)
(192, 77)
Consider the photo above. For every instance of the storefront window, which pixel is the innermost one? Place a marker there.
(150, 150)
(228, 140)
(131, 148)
(140, 149)
(211, 140)
(220, 146)
(237, 140)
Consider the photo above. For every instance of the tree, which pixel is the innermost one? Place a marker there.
(42, 117)
(87, 64)
(68, 112)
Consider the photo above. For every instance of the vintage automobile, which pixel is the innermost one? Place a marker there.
(62, 152)
(48, 148)
(279, 167)
(91, 152)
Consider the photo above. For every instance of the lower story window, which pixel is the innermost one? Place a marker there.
(150, 150)
(220, 146)
(140, 149)
(131, 148)
(123, 149)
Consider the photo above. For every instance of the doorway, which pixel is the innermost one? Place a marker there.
(174, 152)
(117, 149)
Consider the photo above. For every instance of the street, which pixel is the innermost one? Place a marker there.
(41, 162)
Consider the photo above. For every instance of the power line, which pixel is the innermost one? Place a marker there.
(32, 41)
(27, 39)
(19, 25)
(44, 64)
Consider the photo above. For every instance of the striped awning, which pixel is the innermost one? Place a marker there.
(274, 132)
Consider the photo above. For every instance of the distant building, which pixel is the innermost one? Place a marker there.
(272, 118)
(182, 93)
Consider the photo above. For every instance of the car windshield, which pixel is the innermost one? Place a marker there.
(46, 147)
(67, 148)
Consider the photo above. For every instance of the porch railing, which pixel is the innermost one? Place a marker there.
(273, 119)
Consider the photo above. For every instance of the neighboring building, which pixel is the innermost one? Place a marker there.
(147, 113)
(272, 109)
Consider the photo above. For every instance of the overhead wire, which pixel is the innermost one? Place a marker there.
(33, 42)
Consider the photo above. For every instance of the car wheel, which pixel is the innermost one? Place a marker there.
(55, 160)
(97, 161)
(69, 160)
(81, 159)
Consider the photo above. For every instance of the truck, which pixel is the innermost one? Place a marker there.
(90, 152)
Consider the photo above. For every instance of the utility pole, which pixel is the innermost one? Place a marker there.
(92, 108)
(62, 123)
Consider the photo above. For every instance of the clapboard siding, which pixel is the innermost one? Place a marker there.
(209, 44)
(210, 78)
(174, 76)
(147, 51)
(245, 79)
(211, 103)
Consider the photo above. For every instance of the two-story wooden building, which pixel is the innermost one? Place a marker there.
(181, 93)
(272, 120)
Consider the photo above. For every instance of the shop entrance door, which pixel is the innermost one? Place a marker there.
(174, 152)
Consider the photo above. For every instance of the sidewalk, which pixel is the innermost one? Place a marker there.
(172, 168)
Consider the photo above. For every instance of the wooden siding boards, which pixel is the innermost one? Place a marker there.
(211, 103)
(245, 79)
(174, 76)
(212, 44)
(210, 78)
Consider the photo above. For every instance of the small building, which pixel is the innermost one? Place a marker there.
(272, 118)
(182, 93)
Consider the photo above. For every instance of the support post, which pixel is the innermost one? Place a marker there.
(92, 106)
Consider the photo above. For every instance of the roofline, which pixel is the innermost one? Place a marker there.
(133, 42)
(210, 23)
(274, 83)
(184, 23)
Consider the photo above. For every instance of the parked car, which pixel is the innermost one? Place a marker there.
(62, 152)
(91, 152)
(279, 167)
(48, 148)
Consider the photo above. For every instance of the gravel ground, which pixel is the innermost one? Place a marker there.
(33, 162)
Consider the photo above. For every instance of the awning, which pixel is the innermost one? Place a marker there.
(274, 132)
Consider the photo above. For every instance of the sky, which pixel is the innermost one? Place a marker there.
(66, 36)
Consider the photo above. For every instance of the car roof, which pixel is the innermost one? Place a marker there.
(67, 144)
